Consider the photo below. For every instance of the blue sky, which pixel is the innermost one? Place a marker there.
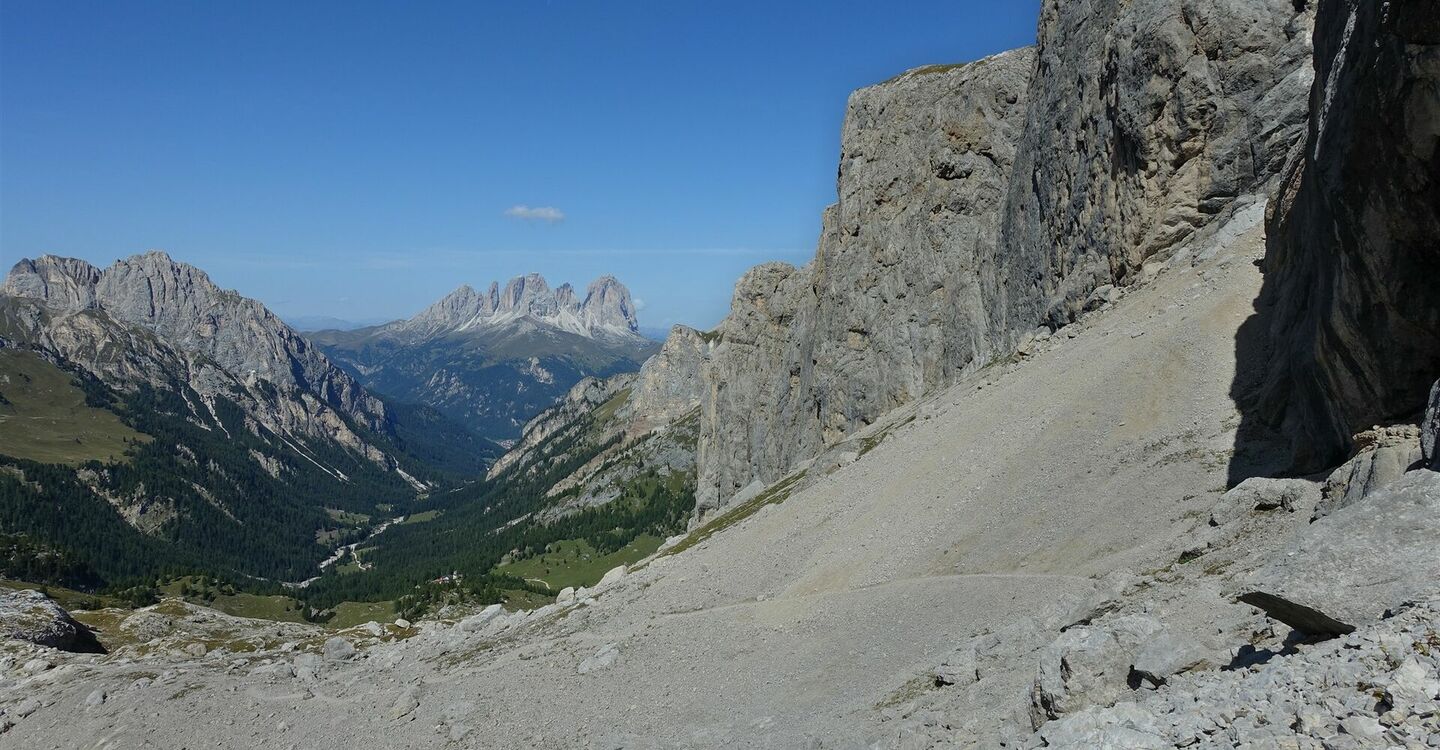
(361, 159)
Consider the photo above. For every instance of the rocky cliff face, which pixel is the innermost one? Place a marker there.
(1347, 330)
(977, 202)
(1147, 119)
(668, 385)
(893, 304)
(582, 399)
(150, 319)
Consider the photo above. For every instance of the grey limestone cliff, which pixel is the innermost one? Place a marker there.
(1147, 119)
(893, 304)
(668, 385)
(979, 201)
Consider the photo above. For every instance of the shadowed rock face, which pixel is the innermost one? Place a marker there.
(1347, 329)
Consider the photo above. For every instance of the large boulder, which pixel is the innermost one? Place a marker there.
(34, 617)
(477, 622)
(1259, 494)
(338, 649)
(603, 659)
(1351, 567)
(1089, 665)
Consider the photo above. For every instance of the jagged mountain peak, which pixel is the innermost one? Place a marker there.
(608, 306)
(63, 283)
(496, 359)
(606, 310)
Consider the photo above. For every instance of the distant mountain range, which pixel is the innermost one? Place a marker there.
(495, 359)
(328, 323)
(229, 442)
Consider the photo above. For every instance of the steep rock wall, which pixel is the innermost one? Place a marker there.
(1147, 119)
(668, 385)
(1347, 328)
(979, 201)
(893, 304)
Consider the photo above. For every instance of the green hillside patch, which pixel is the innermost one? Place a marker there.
(70, 599)
(44, 417)
(347, 518)
(198, 590)
(575, 563)
(350, 614)
(421, 517)
(606, 411)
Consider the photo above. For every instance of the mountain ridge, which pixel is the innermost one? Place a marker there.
(1010, 521)
(606, 310)
(497, 358)
(220, 333)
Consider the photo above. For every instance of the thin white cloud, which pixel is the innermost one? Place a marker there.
(639, 303)
(547, 214)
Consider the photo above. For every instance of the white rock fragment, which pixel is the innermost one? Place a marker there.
(477, 622)
(612, 576)
(603, 659)
(339, 649)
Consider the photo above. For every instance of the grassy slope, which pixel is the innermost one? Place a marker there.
(574, 562)
(239, 604)
(775, 494)
(350, 614)
(46, 418)
(67, 598)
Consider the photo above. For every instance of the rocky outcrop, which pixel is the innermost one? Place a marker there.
(894, 303)
(567, 416)
(668, 385)
(34, 617)
(66, 285)
(1382, 456)
(1307, 699)
(1430, 430)
(621, 428)
(1347, 329)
